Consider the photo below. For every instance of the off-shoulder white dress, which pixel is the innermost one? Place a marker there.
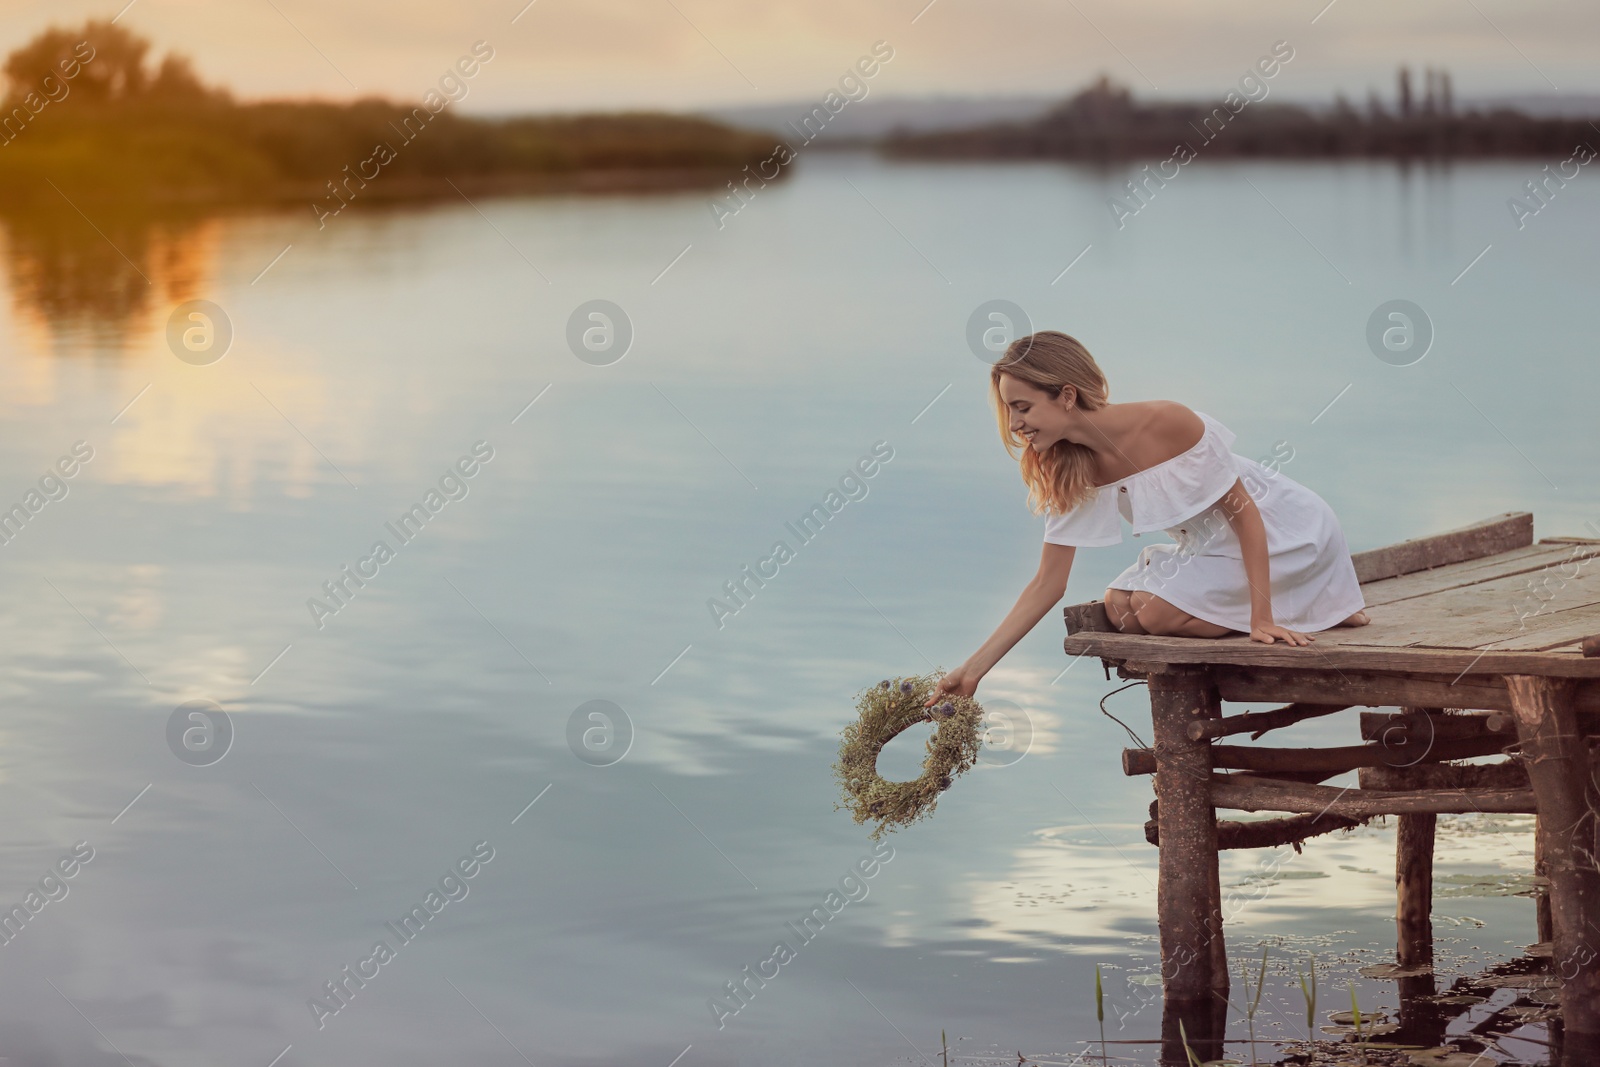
(1313, 582)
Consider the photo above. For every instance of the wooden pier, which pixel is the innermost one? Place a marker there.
(1488, 644)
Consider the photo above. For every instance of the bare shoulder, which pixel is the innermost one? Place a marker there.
(1152, 432)
(1176, 425)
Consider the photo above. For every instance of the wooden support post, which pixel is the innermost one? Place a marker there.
(1541, 902)
(1204, 1028)
(1413, 880)
(1188, 892)
(1220, 978)
(1413, 870)
(1558, 768)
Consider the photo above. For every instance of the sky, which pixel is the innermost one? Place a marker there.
(563, 55)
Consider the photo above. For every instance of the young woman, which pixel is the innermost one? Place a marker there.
(1254, 551)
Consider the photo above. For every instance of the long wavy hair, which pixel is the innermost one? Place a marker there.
(1062, 476)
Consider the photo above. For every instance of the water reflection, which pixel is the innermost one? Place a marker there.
(100, 279)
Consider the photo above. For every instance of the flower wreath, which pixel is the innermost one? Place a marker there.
(887, 710)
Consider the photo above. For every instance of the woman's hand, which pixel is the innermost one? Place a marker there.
(960, 682)
(1265, 632)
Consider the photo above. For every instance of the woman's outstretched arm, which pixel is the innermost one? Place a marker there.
(1245, 518)
(1043, 592)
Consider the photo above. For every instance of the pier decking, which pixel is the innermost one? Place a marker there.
(1487, 644)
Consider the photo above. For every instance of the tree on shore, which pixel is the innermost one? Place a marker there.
(122, 128)
(111, 69)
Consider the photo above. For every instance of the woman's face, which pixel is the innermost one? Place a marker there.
(1036, 416)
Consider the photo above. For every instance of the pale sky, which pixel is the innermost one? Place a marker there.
(681, 54)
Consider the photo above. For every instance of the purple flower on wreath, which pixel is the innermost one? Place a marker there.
(905, 687)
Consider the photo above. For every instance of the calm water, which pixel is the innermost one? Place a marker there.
(371, 754)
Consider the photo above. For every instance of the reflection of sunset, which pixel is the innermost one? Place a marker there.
(206, 430)
(104, 278)
(181, 260)
(209, 433)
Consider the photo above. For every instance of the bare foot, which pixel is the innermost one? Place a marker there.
(1358, 619)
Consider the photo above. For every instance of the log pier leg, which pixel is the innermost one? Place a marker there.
(1413, 880)
(1558, 769)
(1420, 1020)
(1541, 901)
(1220, 978)
(1188, 893)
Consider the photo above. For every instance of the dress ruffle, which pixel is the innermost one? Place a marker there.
(1154, 498)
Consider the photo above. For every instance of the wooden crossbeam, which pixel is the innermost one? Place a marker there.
(1263, 794)
(1378, 726)
(1265, 833)
(1259, 722)
(1510, 774)
(1328, 760)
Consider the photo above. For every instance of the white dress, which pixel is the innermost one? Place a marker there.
(1313, 583)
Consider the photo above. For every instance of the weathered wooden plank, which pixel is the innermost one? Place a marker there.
(1333, 651)
(1375, 689)
(1527, 560)
(1552, 630)
(1087, 618)
(1499, 533)
(1480, 614)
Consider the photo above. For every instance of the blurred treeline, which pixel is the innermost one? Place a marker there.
(1103, 122)
(123, 130)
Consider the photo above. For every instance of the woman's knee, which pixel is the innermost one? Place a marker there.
(1157, 616)
(1120, 609)
(1162, 618)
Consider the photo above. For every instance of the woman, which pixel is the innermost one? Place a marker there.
(1255, 551)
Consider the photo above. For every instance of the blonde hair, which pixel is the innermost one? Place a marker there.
(1061, 477)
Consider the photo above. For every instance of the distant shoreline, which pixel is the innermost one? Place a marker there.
(404, 189)
(149, 155)
(1105, 123)
(1461, 141)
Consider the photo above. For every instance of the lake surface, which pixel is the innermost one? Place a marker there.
(376, 742)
